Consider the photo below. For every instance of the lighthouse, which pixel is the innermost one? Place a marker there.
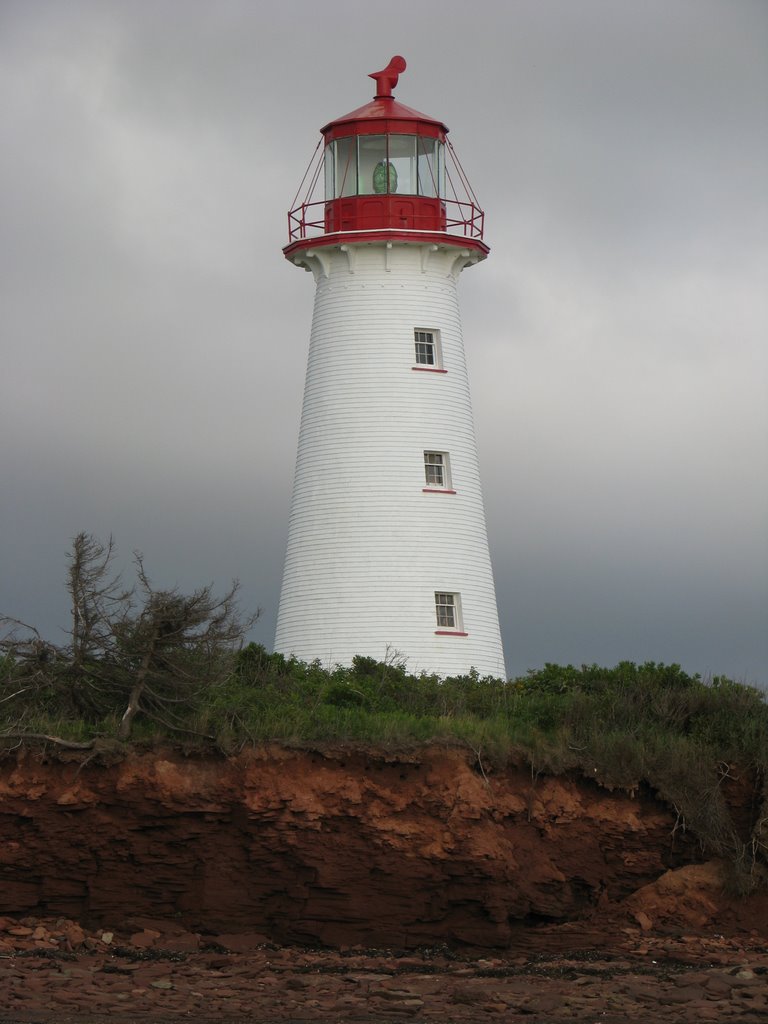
(387, 545)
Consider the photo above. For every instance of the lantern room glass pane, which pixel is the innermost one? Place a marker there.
(402, 164)
(345, 167)
(371, 164)
(431, 177)
(328, 172)
(381, 164)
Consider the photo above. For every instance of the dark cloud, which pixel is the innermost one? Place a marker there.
(154, 339)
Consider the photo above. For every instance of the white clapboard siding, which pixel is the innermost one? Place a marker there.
(368, 548)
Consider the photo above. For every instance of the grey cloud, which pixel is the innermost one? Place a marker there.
(154, 339)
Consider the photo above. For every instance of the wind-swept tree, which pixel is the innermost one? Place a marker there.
(132, 651)
(176, 645)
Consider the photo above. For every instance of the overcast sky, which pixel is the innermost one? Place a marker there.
(154, 338)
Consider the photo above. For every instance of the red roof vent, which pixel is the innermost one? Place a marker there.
(386, 80)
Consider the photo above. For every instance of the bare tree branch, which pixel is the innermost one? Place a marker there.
(97, 597)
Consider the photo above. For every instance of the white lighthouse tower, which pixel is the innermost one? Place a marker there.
(387, 549)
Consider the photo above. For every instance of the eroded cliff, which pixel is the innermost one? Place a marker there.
(341, 848)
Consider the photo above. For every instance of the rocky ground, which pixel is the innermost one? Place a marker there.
(53, 970)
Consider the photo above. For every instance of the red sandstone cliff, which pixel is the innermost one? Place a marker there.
(344, 848)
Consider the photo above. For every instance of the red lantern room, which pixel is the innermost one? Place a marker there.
(389, 173)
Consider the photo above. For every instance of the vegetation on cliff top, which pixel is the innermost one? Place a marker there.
(166, 665)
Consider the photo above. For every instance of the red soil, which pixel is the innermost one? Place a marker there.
(515, 895)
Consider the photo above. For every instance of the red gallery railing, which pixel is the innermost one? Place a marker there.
(445, 216)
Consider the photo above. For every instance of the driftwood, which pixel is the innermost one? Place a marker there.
(66, 744)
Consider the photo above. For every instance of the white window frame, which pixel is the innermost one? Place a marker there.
(448, 612)
(431, 336)
(431, 457)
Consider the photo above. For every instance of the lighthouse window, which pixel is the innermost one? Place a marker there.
(427, 348)
(437, 470)
(434, 469)
(448, 610)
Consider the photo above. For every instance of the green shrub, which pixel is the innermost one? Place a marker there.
(622, 726)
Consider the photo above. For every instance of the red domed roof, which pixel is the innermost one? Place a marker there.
(384, 114)
(374, 116)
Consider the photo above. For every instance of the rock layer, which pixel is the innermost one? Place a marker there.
(55, 971)
(336, 848)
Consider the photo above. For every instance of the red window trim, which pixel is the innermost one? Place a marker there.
(449, 632)
(429, 369)
(437, 490)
